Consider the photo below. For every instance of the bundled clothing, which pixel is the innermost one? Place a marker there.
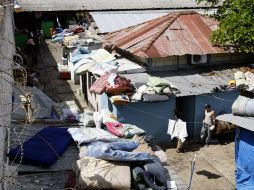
(116, 151)
(99, 85)
(121, 86)
(120, 99)
(124, 130)
(162, 86)
(150, 175)
(118, 86)
(148, 94)
(103, 68)
(88, 134)
(88, 119)
(93, 173)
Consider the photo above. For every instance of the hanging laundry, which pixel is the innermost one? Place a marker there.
(177, 129)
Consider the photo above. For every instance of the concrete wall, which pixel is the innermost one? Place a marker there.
(7, 49)
(230, 58)
(177, 62)
(93, 99)
(219, 101)
(168, 63)
(152, 117)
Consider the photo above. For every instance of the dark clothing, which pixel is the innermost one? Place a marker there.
(150, 175)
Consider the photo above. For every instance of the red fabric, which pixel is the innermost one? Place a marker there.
(78, 30)
(113, 128)
(122, 86)
(99, 85)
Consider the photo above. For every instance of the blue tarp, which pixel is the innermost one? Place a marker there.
(244, 155)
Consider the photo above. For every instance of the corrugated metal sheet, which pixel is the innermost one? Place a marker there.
(194, 82)
(244, 122)
(178, 33)
(96, 5)
(113, 21)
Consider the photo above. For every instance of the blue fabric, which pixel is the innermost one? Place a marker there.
(244, 156)
(80, 51)
(84, 50)
(59, 30)
(38, 152)
(117, 151)
(78, 57)
(57, 39)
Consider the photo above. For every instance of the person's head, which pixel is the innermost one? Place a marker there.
(207, 107)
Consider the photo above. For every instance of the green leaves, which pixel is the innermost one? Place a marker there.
(236, 28)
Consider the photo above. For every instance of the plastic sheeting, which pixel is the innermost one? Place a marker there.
(40, 101)
(244, 154)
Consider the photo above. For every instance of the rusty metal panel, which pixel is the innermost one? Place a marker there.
(178, 33)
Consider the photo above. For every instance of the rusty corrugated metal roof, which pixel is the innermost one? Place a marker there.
(177, 33)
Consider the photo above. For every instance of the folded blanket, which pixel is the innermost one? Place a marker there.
(78, 57)
(93, 173)
(99, 85)
(160, 85)
(103, 68)
(44, 148)
(67, 39)
(88, 134)
(101, 55)
(80, 50)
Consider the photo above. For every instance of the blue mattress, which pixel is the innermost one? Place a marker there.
(44, 148)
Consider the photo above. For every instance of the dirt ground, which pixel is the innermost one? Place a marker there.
(214, 166)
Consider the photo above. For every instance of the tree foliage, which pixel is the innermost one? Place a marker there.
(236, 28)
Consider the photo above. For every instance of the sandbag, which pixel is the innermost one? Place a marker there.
(243, 106)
